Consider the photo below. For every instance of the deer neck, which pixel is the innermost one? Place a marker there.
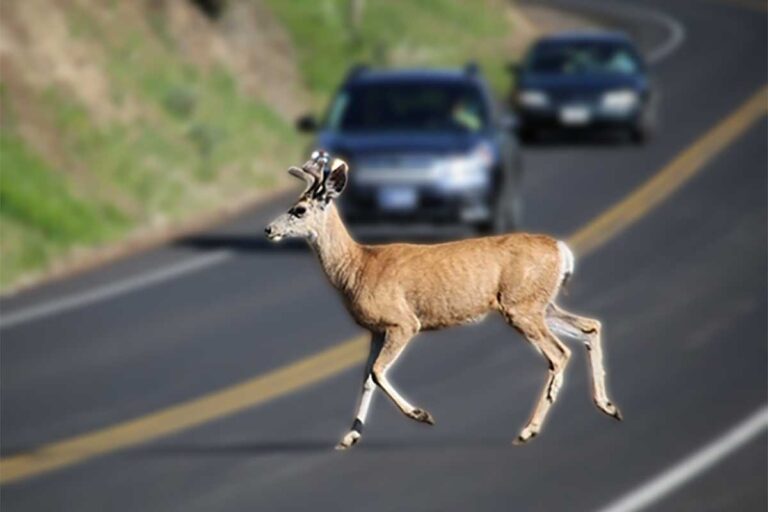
(339, 254)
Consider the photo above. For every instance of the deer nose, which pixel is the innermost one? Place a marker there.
(268, 230)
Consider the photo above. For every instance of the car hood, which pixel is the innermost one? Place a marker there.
(355, 146)
(587, 83)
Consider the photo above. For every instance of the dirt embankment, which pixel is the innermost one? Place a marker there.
(118, 119)
(123, 124)
(47, 44)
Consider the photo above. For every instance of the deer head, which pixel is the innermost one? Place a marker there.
(325, 180)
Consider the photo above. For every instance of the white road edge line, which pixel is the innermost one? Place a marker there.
(112, 290)
(676, 34)
(676, 30)
(689, 468)
(675, 39)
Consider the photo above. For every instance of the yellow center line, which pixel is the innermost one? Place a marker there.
(349, 353)
(671, 177)
(219, 404)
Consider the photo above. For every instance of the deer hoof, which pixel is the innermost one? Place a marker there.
(422, 416)
(526, 435)
(349, 440)
(612, 411)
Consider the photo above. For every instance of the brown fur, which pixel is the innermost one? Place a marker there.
(438, 285)
(398, 290)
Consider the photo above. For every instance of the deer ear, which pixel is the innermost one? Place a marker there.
(337, 179)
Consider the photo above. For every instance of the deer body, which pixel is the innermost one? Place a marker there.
(398, 290)
(439, 285)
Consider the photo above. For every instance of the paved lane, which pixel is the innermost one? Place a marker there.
(682, 293)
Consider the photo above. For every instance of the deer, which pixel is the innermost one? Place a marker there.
(397, 290)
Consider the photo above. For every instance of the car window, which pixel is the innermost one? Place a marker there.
(408, 107)
(583, 57)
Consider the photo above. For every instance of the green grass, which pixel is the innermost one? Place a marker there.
(34, 195)
(395, 33)
(191, 142)
(40, 215)
(176, 139)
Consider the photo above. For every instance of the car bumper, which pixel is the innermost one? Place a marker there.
(595, 117)
(365, 205)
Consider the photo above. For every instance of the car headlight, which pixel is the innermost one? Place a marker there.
(623, 99)
(533, 98)
(466, 171)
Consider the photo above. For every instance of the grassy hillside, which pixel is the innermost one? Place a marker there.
(123, 116)
(122, 132)
(398, 33)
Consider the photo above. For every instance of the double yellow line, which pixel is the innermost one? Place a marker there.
(330, 362)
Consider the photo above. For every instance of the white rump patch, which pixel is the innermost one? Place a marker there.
(567, 261)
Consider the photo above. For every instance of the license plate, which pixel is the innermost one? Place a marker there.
(575, 115)
(397, 198)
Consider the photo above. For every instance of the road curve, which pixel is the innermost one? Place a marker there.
(681, 291)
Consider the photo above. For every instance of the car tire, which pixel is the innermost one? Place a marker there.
(529, 135)
(639, 134)
(494, 226)
(642, 130)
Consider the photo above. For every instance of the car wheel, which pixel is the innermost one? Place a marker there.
(642, 130)
(529, 135)
(495, 226)
(639, 134)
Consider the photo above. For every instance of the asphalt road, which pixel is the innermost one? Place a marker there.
(682, 293)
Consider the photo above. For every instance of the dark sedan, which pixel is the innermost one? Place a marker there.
(581, 81)
(425, 146)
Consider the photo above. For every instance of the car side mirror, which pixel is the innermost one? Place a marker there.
(307, 124)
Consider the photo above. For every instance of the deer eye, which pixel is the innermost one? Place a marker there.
(299, 211)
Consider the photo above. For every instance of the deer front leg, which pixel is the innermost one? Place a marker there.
(395, 341)
(354, 434)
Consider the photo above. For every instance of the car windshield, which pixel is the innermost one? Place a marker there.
(422, 107)
(583, 58)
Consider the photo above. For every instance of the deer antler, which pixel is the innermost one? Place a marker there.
(312, 170)
(315, 170)
(302, 174)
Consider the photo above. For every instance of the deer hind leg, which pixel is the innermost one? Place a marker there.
(533, 327)
(395, 340)
(354, 434)
(588, 331)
